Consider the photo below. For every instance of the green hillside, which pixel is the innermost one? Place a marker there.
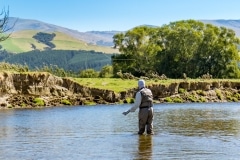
(22, 41)
(66, 59)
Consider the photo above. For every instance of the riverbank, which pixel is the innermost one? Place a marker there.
(41, 89)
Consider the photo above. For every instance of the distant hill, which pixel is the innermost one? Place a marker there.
(23, 41)
(103, 38)
(231, 24)
(96, 37)
(100, 41)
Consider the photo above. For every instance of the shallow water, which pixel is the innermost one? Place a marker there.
(182, 131)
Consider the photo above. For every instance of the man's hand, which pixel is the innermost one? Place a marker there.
(126, 112)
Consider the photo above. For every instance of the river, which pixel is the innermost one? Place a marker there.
(182, 131)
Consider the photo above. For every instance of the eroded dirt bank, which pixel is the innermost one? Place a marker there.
(20, 90)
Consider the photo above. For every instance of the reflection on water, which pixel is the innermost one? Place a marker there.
(182, 131)
(144, 147)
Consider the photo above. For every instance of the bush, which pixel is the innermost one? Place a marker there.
(192, 98)
(89, 103)
(219, 94)
(202, 99)
(181, 90)
(201, 92)
(39, 101)
(89, 73)
(237, 95)
(168, 99)
(65, 102)
(106, 72)
(177, 100)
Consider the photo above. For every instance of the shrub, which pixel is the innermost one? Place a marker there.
(106, 71)
(177, 100)
(201, 92)
(39, 101)
(23, 104)
(129, 100)
(10, 106)
(232, 99)
(65, 102)
(237, 95)
(168, 99)
(192, 98)
(202, 99)
(181, 90)
(89, 73)
(219, 94)
(89, 103)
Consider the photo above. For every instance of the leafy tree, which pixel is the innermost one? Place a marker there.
(106, 71)
(187, 46)
(196, 48)
(138, 50)
(181, 40)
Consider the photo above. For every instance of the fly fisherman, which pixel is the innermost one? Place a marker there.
(143, 101)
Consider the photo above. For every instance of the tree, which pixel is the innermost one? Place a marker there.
(138, 51)
(187, 46)
(180, 40)
(106, 71)
(217, 53)
(4, 25)
(196, 48)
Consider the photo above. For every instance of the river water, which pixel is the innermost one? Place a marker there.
(182, 131)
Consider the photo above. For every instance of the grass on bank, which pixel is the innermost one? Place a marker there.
(116, 84)
(119, 85)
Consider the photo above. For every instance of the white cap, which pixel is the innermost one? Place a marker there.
(141, 83)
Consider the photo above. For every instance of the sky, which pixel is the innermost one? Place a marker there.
(119, 15)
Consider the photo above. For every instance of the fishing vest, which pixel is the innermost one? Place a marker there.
(147, 98)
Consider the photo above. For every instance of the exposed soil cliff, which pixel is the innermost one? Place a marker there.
(20, 90)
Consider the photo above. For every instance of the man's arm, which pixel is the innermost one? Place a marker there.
(137, 102)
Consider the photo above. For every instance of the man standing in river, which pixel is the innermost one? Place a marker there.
(143, 101)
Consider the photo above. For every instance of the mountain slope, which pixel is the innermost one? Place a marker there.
(66, 59)
(23, 41)
(93, 37)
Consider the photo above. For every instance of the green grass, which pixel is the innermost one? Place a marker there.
(22, 41)
(115, 84)
(119, 85)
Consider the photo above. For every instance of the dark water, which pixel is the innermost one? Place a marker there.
(182, 131)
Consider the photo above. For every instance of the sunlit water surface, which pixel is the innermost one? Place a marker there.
(182, 131)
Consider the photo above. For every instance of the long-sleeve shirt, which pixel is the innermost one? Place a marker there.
(137, 102)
